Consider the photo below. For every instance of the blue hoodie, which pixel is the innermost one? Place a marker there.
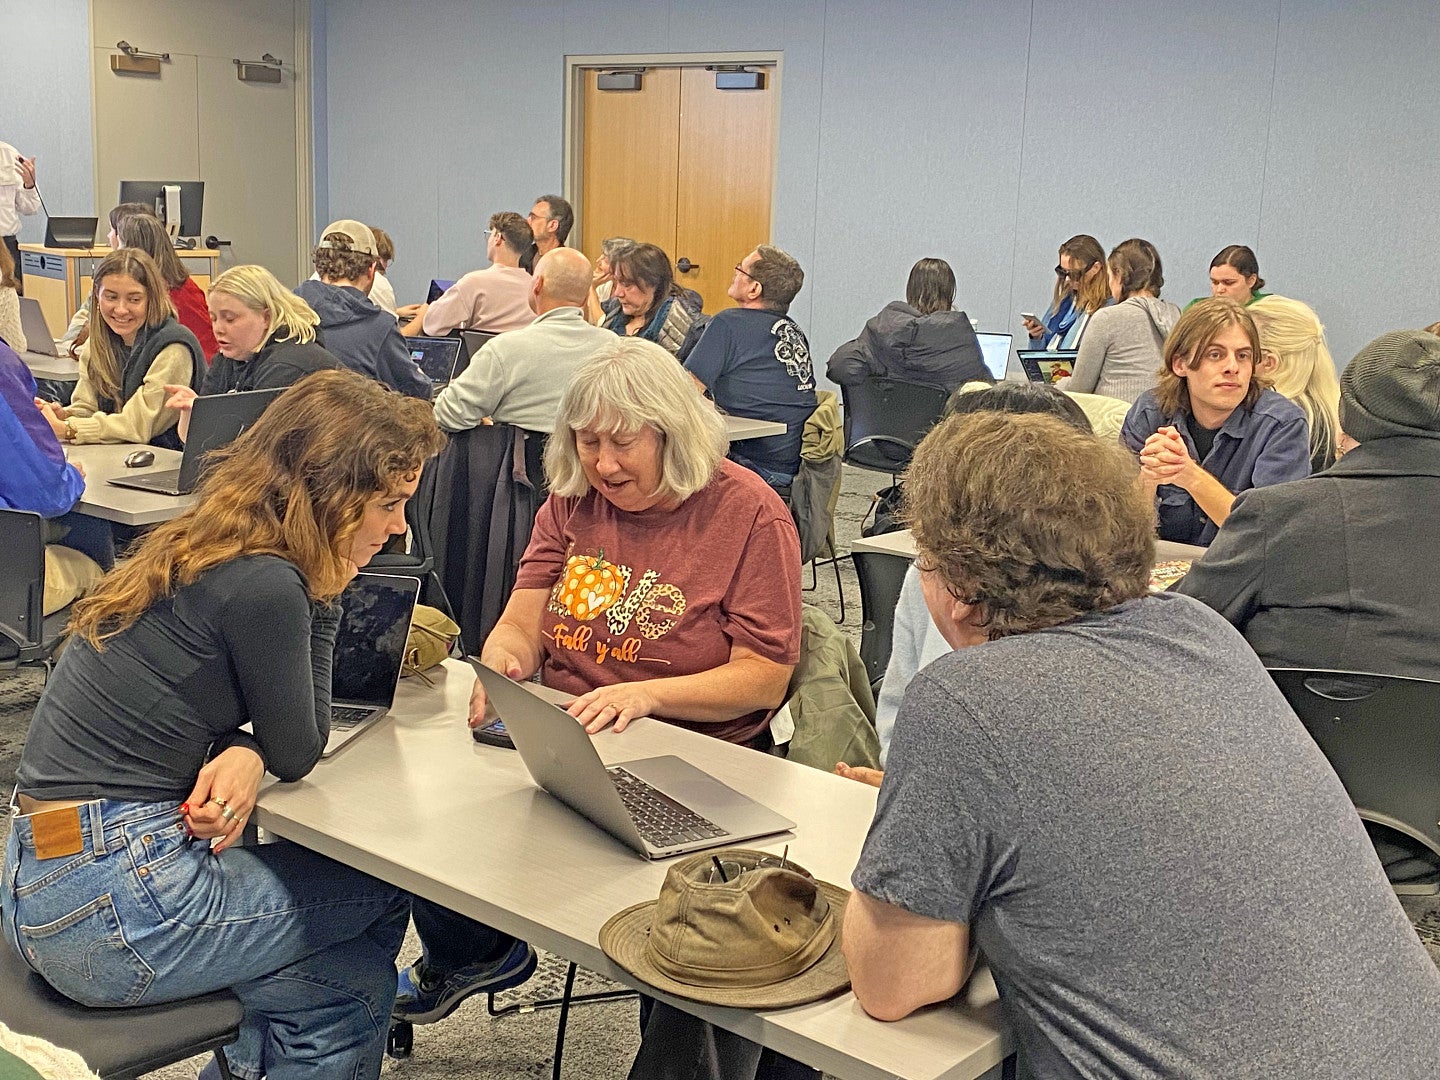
(35, 475)
(363, 337)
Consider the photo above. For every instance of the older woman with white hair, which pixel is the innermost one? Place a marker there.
(1296, 360)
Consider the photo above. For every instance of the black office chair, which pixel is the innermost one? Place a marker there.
(885, 419)
(119, 1044)
(26, 636)
(1381, 735)
(881, 577)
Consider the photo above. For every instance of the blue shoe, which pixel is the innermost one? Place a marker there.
(423, 998)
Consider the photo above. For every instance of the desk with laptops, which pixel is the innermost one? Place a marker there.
(42, 355)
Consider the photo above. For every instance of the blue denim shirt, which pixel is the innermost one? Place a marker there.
(1266, 444)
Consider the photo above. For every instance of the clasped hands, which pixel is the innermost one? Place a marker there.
(1164, 459)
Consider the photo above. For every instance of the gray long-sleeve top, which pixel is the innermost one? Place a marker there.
(1120, 351)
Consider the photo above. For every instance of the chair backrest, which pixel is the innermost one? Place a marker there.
(22, 577)
(885, 419)
(881, 577)
(1381, 734)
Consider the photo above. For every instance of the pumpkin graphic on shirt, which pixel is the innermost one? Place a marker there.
(589, 585)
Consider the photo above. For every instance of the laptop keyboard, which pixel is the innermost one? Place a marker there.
(343, 718)
(662, 821)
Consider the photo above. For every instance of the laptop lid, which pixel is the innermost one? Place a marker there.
(216, 421)
(995, 351)
(438, 288)
(70, 232)
(474, 341)
(436, 356)
(1044, 366)
(561, 758)
(38, 338)
(375, 614)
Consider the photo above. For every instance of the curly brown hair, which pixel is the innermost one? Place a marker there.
(1029, 518)
(295, 485)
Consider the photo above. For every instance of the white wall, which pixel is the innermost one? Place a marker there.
(981, 131)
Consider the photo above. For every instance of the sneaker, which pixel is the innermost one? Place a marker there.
(424, 999)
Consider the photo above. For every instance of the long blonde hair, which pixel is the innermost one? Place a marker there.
(291, 318)
(1291, 332)
(103, 360)
(295, 486)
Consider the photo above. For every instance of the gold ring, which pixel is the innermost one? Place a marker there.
(216, 799)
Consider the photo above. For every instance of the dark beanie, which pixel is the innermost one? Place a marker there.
(1392, 387)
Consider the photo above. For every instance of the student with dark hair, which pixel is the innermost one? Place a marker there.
(147, 232)
(494, 299)
(921, 339)
(355, 331)
(1235, 275)
(649, 304)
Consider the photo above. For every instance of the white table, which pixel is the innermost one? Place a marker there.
(125, 505)
(416, 802)
(41, 366)
(901, 542)
(738, 428)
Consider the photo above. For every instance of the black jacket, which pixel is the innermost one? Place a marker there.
(939, 349)
(280, 362)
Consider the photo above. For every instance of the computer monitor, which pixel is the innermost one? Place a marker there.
(152, 193)
(995, 351)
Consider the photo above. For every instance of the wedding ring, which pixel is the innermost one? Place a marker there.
(227, 814)
(222, 803)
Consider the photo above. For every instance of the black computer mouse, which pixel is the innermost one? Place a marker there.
(138, 459)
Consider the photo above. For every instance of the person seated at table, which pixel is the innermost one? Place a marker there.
(1212, 427)
(11, 332)
(1235, 275)
(135, 350)
(147, 232)
(79, 328)
(1104, 791)
(225, 617)
(649, 303)
(661, 580)
(492, 299)
(1081, 289)
(1122, 345)
(921, 339)
(266, 335)
(355, 331)
(916, 641)
(1296, 360)
(601, 301)
(36, 477)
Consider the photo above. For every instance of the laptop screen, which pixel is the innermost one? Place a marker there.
(438, 288)
(995, 351)
(436, 356)
(375, 616)
(1047, 367)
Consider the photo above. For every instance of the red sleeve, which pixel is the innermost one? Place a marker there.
(193, 313)
(762, 605)
(544, 558)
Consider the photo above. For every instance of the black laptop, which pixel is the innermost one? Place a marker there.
(438, 288)
(436, 357)
(1046, 366)
(473, 341)
(375, 614)
(215, 422)
(70, 232)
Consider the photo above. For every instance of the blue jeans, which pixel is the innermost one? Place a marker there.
(144, 915)
(774, 477)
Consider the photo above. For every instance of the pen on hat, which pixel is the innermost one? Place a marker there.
(720, 868)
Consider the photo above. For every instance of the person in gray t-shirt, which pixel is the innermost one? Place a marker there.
(1107, 791)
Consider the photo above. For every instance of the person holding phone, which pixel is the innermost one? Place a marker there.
(19, 197)
(1081, 289)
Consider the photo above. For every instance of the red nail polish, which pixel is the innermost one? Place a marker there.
(184, 808)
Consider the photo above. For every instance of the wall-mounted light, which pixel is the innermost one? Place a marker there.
(132, 61)
(264, 70)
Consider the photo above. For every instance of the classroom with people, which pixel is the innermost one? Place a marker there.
(398, 401)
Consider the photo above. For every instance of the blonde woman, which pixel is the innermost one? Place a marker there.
(266, 337)
(1296, 360)
(136, 352)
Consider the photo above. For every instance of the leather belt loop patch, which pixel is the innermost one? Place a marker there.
(57, 833)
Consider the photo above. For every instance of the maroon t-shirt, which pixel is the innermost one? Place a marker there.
(666, 592)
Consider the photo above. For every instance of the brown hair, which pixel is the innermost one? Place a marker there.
(1433, 328)
(514, 230)
(1137, 264)
(779, 276)
(147, 232)
(123, 210)
(7, 270)
(384, 246)
(1029, 518)
(337, 262)
(931, 286)
(646, 265)
(103, 367)
(1200, 324)
(1091, 295)
(1242, 259)
(295, 486)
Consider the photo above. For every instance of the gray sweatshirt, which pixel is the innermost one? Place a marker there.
(1120, 353)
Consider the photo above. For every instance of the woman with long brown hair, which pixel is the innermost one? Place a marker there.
(147, 232)
(224, 617)
(1081, 289)
(136, 347)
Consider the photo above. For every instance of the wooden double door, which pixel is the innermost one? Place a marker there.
(681, 164)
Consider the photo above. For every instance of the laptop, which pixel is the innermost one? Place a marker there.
(473, 340)
(70, 232)
(216, 421)
(995, 351)
(659, 806)
(438, 288)
(1043, 366)
(38, 338)
(375, 613)
(436, 357)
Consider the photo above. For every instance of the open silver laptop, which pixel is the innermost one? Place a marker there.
(375, 614)
(995, 352)
(659, 806)
(38, 338)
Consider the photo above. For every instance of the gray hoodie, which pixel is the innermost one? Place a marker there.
(1120, 351)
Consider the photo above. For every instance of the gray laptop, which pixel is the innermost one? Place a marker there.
(375, 614)
(38, 338)
(659, 806)
(436, 357)
(216, 421)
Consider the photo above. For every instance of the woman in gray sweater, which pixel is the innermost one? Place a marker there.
(1120, 354)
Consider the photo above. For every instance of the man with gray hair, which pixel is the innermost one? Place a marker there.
(520, 376)
(754, 361)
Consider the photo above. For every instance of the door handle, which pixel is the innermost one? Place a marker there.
(685, 265)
